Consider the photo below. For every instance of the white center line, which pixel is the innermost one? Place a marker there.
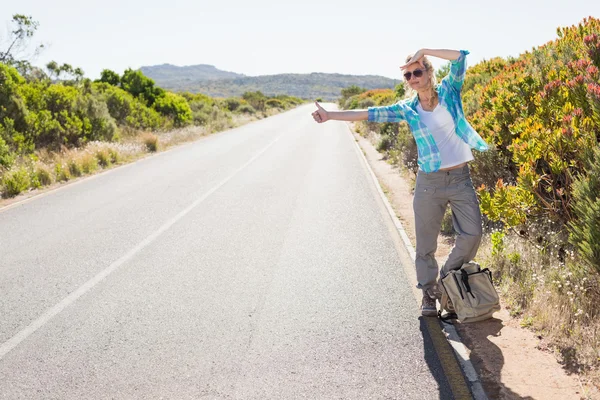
(14, 341)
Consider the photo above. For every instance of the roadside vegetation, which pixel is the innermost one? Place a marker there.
(56, 124)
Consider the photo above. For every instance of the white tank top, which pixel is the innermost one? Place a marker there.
(453, 150)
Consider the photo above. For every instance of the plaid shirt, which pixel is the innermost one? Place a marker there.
(449, 96)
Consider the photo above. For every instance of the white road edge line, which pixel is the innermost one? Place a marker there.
(14, 341)
(453, 338)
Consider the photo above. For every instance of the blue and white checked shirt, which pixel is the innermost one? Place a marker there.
(449, 96)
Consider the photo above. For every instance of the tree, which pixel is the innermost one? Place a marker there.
(53, 69)
(56, 70)
(443, 71)
(18, 41)
(352, 90)
(176, 107)
(140, 86)
(110, 77)
(255, 99)
(400, 91)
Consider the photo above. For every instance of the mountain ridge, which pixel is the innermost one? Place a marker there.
(209, 80)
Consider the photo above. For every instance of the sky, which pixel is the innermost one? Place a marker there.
(266, 37)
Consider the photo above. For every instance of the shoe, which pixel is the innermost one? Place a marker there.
(428, 307)
(435, 292)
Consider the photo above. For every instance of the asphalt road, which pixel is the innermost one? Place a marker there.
(256, 263)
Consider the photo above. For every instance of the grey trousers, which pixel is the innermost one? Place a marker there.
(433, 192)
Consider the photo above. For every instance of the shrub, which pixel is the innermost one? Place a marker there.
(62, 172)
(175, 107)
(348, 92)
(98, 124)
(126, 110)
(366, 103)
(89, 163)
(256, 99)
(12, 105)
(275, 103)
(110, 77)
(246, 109)
(150, 141)
(140, 86)
(200, 117)
(6, 156)
(232, 103)
(497, 239)
(74, 167)
(103, 157)
(43, 174)
(15, 181)
(115, 157)
(447, 227)
(407, 147)
(538, 111)
(585, 229)
(385, 143)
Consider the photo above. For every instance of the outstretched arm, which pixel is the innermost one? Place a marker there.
(322, 115)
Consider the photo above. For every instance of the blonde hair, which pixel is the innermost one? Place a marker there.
(432, 80)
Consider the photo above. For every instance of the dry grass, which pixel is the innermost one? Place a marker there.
(67, 164)
(554, 295)
(150, 140)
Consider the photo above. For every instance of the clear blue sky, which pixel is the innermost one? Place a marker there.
(263, 37)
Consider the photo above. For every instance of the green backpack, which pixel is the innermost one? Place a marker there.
(469, 294)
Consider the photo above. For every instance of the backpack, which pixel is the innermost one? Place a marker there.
(469, 294)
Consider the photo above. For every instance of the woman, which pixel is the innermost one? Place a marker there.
(444, 141)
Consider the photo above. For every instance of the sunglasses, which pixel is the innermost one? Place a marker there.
(417, 73)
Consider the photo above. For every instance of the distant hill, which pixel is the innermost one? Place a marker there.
(173, 73)
(211, 81)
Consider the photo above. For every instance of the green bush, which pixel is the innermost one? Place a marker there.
(246, 109)
(12, 105)
(6, 156)
(98, 125)
(385, 143)
(200, 117)
(103, 157)
(447, 227)
(232, 103)
(141, 87)
(16, 181)
(275, 103)
(115, 157)
(62, 172)
(110, 77)
(176, 107)
(585, 229)
(89, 163)
(348, 92)
(497, 239)
(74, 167)
(126, 110)
(256, 99)
(43, 175)
(366, 103)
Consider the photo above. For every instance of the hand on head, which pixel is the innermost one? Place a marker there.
(320, 115)
(416, 58)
